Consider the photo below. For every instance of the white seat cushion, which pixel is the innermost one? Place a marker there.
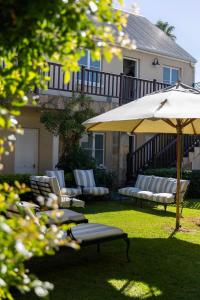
(66, 202)
(96, 191)
(62, 215)
(129, 191)
(147, 195)
(71, 191)
(89, 232)
(164, 198)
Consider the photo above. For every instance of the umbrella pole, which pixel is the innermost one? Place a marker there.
(178, 168)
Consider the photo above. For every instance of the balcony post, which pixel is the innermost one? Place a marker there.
(121, 86)
(154, 85)
(82, 80)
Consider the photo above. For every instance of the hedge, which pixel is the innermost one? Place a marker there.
(193, 176)
(11, 178)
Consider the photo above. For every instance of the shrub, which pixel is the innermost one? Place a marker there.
(77, 158)
(11, 178)
(193, 176)
(105, 178)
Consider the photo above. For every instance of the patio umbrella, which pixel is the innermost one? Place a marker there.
(175, 109)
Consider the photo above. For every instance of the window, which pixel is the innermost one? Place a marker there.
(170, 75)
(89, 63)
(93, 143)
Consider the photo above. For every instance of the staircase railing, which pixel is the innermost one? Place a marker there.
(145, 155)
(158, 152)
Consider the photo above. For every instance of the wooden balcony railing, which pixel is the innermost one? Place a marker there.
(92, 82)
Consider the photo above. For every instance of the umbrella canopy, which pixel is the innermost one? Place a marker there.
(173, 110)
(154, 113)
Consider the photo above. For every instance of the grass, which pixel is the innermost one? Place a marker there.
(163, 265)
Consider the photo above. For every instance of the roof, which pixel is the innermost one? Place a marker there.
(150, 38)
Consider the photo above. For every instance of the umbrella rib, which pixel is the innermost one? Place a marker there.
(187, 122)
(193, 127)
(169, 122)
(137, 126)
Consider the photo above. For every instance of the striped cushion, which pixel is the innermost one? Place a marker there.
(96, 191)
(71, 191)
(184, 185)
(84, 178)
(158, 184)
(164, 198)
(62, 216)
(171, 186)
(128, 191)
(89, 232)
(143, 182)
(65, 201)
(59, 174)
(147, 195)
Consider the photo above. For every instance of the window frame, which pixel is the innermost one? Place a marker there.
(93, 149)
(171, 68)
(88, 67)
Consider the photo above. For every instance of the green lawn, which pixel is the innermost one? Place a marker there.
(163, 265)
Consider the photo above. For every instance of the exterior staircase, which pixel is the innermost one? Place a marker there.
(160, 152)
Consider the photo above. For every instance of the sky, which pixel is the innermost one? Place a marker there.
(184, 15)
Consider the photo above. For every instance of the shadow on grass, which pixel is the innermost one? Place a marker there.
(194, 204)
(95, 207)
(160, 268)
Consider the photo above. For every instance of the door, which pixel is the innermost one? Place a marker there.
(130, 69)
(26, 152)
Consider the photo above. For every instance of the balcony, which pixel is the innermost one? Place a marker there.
(97, 83)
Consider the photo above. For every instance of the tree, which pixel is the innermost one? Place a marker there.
(166, 28)
(67, 124)
(33, 31)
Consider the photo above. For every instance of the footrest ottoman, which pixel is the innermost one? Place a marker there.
(88, 234)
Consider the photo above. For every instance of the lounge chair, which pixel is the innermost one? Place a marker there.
(63, 216)
(45, 186)
(60, 175)
(85, 180)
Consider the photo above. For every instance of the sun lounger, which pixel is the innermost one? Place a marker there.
(46, 186)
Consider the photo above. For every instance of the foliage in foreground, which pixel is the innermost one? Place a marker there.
(23, 236)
